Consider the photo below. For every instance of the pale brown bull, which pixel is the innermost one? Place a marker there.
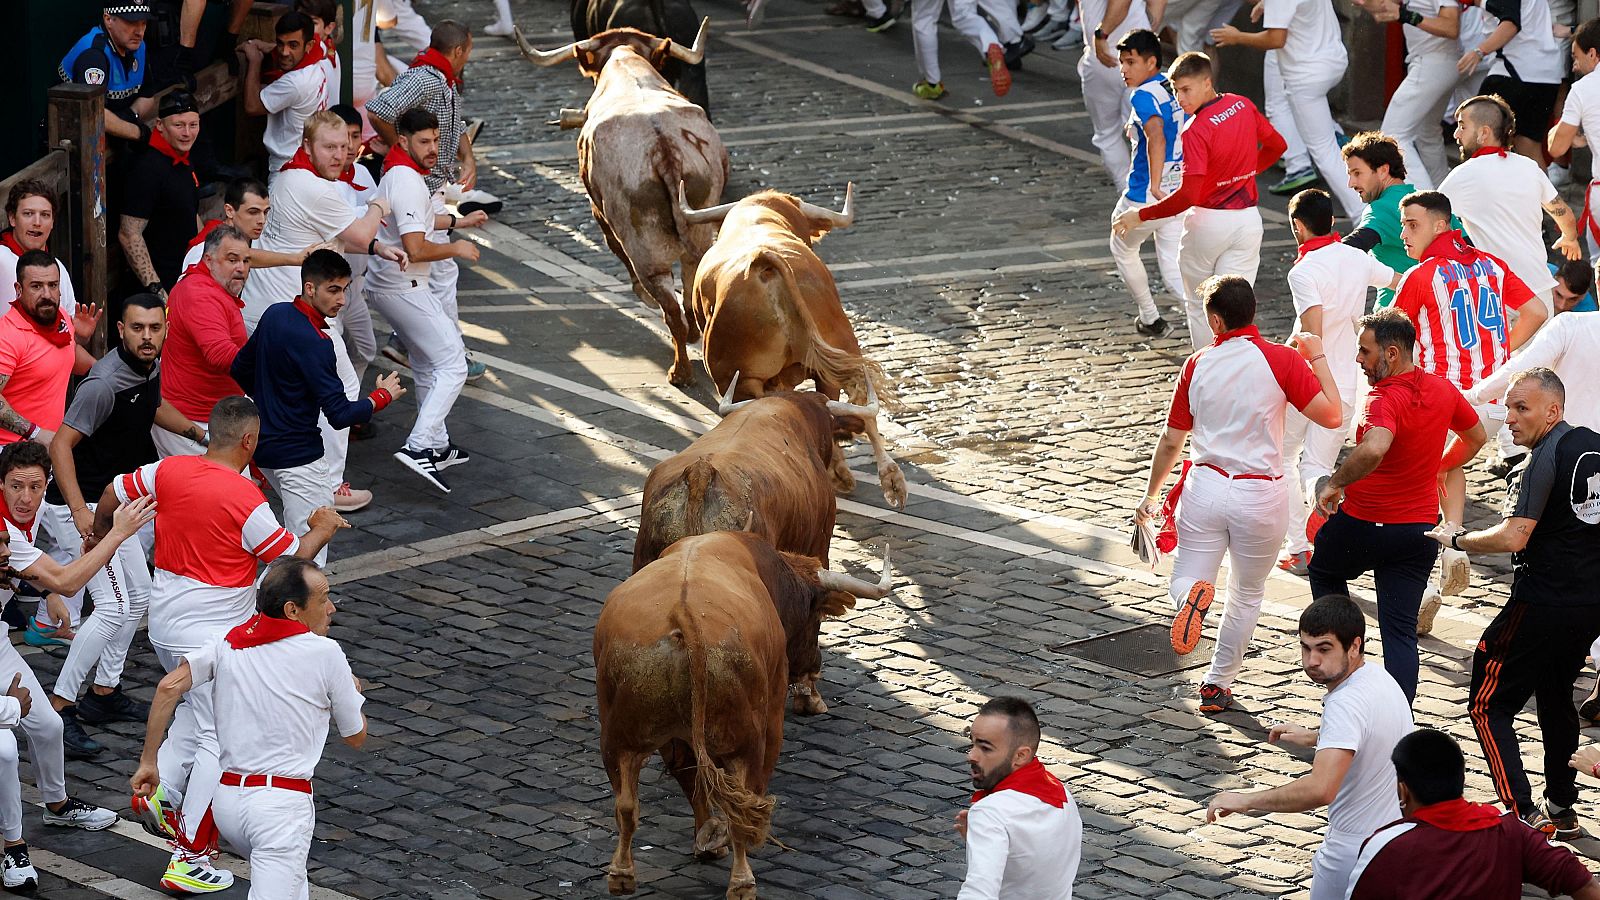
(692, 658)
(640, 140)
(771, 311)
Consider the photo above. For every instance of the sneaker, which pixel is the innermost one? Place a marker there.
(20, 875)
(1016, 50)
(77, 814)
(75, 742)
(347, 499)
(1589, 709)
(161, 813)
(882, 23)
(395, 351)
(1294, 181)
(1038, 14)
(450, 456)
(423, 463)
(1071, 39)
(99, 709)
(1215, 699)
(1191, 616)
(999, 75)
(1455, 572)
(1431, 601)
(1501, 468)
(499, 29)
(37, 635)
(476, 125)
(1051, 30)
(195, 875)
(475, 369)
(1158, 328)
(1553, 821)
(470, 201)
(929, 91)
(1296, 563)
(1559, 175)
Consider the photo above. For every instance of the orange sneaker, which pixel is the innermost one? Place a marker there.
(999, 75)
(1187, 623)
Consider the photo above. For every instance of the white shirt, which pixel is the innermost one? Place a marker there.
(1419, 43)
(1583, 105)
(8, 282)
(411, 205)
(273, 702)
(1313, 45)
(306, 209)
(1092, 11)
(1368, 714)
(1568, 344)
(358, 201)
(1021, 848)
(1231, 398)
(290, 101)
(1336, 278)
(1533, 51)
(1501, 201)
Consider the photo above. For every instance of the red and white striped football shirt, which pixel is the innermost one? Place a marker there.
(1459, 298)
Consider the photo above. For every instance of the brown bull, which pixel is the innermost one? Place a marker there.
(640, 140)
(771, 311)
(692, 658)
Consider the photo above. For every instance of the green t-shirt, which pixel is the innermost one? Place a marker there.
(1383, 216)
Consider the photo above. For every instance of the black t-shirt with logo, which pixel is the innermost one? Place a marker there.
(1558, 484)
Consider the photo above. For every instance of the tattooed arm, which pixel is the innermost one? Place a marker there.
(13, 421)
(131, 235)
(1569, 244)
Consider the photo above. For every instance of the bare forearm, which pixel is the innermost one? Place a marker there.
(66, 471)
(161, 710)
(131, 236)
(267, 259)
(117, 126)
(251, 95)
(13, 421)
(1564, 219)
(312, 542)
(1166, 456)
(1504, 537)
(1499, 37)
(1358, 465)
(359, 234)
(1300, 795)
(168, 417)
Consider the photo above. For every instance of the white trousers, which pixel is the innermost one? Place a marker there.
(1275, 103)
(169, 444)
(409, 26)
(1192, 21)
(355, 321)
(1125, 252)
(1243, 519)
(42, 725)
(336, 441)
(302, 489)
(1106, 96)
(438, 359)
(1216, 242)
(272, 828)
(1414, 113)
(188, 759)
(121, 591)
(1311, 452)
(1332, 864)
(1304, 109)
(964, 18)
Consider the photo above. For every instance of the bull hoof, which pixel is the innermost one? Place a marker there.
(711, 842)
(681, 376)
(744, 889)
(809, 704)
(893, 483)
(621, 883)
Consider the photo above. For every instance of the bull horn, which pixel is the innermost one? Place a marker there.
(544, 57)
(841, 219)
(709, 216)
(571, 118)
(694, 54)
(870, 411)
(726, 404)
(865, 590)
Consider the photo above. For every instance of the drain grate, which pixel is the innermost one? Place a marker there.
(1145, 651)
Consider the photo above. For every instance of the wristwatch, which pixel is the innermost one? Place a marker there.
(1100, 35)
(1454, 538)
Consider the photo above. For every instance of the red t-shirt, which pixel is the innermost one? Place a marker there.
(1225, 144)
(37, 370)
(205, 329)
(1420, 410)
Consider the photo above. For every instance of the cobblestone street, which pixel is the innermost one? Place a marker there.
(977, 273)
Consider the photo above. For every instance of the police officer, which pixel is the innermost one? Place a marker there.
(113, 54)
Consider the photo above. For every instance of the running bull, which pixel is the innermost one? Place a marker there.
(692, 655)
(640, 139)
(672, 19)
(770, 310)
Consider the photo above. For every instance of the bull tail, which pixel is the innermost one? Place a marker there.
(749, 814)
(848, 371)
(698, 479)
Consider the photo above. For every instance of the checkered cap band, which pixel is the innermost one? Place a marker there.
(126, 7)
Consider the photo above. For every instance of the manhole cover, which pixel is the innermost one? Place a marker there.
(1146, 650)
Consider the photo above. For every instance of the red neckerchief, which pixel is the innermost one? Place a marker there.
(8, 239)
(262, 629)
(1246, 331)
(1316, 243)
(348, 176)
(199, 270)
(1449, 245)
(59, 334)
(300, 160)
(314, 54)
(27, 530)
(1167, 537)
(1034, 780)
(432, 57)
(204, 231)
(317, 321)
(330, 52)
(397, 156)
(159, 142)
(1458, 815)
(1485, 151)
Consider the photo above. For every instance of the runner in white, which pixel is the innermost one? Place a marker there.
(281, 668)
(214, 530)
(1105, 91)
(1432, 31)
(1580, 115)
(299, 90)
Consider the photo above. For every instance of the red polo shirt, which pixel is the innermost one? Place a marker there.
(1420, 410)
(205, 329)
(36, 370)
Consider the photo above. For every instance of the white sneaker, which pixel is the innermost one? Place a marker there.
(195, 875)
(349, 499)
(1431, 601)
(1559, 175)
(20, 875)
(1036, 16)
(1072, 39)
(1455, 572)
(499, 29)
(77, 814)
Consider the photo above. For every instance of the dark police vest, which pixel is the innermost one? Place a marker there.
(1561, 564)
(123, 79)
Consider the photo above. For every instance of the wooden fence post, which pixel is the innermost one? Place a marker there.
(76, 124)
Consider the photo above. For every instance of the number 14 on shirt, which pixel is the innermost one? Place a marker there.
(1487, 314)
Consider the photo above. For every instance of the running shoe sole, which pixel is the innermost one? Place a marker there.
(414, 466)
(68, 823)
(1187, 624)
(999, 75)
(1428, 612)
(1455, 572)
(1589, 710)
(1222, 703)
(350, 507)
(1288, 187)
(881, 27)
(160, 819)
(184, 884)
(395, 356)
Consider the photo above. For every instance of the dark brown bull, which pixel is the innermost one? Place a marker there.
(771, 311)
(692, 655)
(640, 139)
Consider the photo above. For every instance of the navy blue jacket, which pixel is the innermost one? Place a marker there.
(288, 368)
